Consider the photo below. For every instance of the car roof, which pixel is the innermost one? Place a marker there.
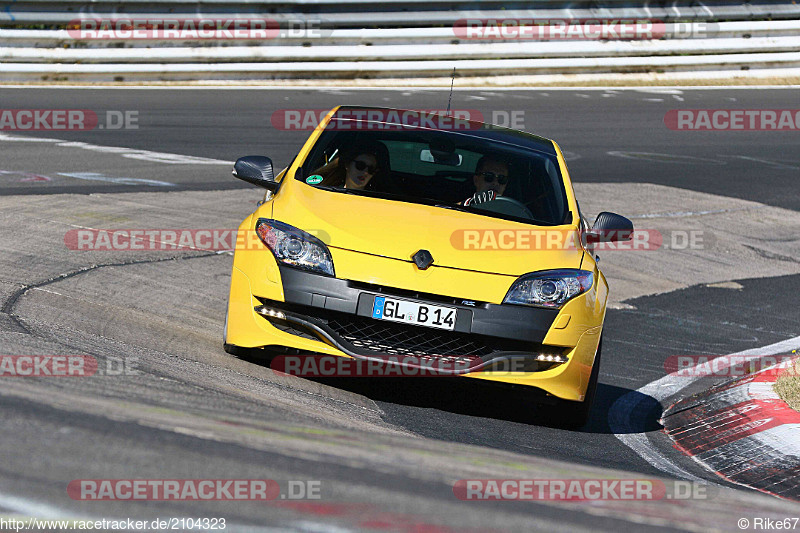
(478, 129)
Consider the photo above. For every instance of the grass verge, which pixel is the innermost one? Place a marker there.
(788, 386)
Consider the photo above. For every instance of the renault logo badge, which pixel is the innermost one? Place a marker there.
(423, 259)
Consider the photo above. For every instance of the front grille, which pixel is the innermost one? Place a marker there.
(367, 336)
(400, 339)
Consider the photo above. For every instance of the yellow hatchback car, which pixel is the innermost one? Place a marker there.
(397, 232)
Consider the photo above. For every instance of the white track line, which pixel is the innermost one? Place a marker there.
(621, 416)
(31, 508)
(131, 153)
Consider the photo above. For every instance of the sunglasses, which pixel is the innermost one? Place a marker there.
(489, 177)
(360, 165)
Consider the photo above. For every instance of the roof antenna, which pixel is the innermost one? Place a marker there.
(452, 79)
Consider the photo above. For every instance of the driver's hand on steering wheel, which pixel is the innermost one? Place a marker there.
(480, 197)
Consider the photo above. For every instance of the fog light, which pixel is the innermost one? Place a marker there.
(272, 313)
(550, 358)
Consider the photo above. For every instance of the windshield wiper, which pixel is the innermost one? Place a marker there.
(337, 189)
(479, 211)
(455, 207)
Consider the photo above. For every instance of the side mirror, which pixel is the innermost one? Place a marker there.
(256, 169)
(610, 227)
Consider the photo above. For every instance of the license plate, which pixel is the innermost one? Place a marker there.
(418, 314)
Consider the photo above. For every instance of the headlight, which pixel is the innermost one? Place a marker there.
(295, 247)
(550, 288)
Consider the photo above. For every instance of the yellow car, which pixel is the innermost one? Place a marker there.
(398, 232)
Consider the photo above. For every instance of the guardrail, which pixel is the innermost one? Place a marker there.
(53, 12)
(398, 13)
(395, 38)
(369, 36)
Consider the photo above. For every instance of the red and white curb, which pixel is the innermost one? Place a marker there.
(743, 431)
(630, 417)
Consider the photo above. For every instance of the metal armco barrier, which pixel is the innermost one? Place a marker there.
(53, 39)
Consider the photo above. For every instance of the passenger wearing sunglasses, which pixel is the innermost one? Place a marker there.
(356, 166)
(360, 170)
(490, 180)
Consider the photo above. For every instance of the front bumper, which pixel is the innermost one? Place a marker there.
(502, 343)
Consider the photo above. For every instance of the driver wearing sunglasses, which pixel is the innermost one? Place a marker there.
(490, 180)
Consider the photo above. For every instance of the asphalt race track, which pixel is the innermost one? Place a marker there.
(169, 403)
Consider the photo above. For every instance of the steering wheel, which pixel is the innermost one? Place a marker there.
(505, 205)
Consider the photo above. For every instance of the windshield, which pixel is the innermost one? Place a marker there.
(441, 168)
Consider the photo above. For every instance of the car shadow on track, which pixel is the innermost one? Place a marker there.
(635, 412)
(474, 398)
(623, 411)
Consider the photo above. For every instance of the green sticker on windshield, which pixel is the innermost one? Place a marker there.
(314, 179)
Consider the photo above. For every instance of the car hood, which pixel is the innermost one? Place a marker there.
(455, 239)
